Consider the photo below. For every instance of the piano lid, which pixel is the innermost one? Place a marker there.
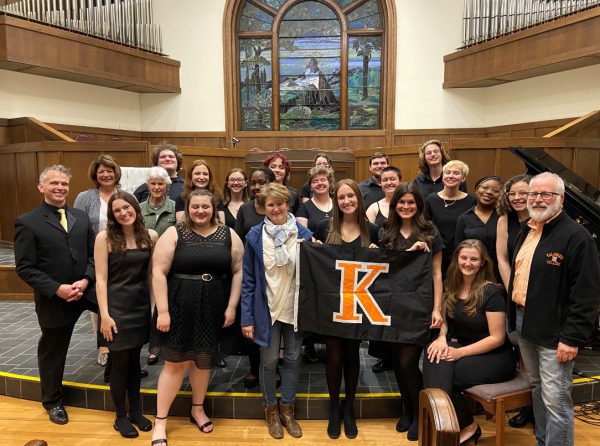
(582, 200)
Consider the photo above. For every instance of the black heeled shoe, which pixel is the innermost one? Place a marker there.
(333, 426)
(521, 419)
(159, 440)
(474, 437)
(205, 425)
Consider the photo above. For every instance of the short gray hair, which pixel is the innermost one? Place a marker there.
(55, 168)
(560, 184)
(157, 172)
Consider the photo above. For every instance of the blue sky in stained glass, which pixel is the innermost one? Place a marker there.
(344, 3)
(255, 19)
(310, 11)
(365, 16)
(275, 4)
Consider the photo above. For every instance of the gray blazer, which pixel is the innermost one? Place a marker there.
(89, 202)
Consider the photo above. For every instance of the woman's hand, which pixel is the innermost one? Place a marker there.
(419, 246)
(107, 327)
(437, 350)
(248, 332)
(229, 317)
(163, 322)
(454, 354)
(436, 319)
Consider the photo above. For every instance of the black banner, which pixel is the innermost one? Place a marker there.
(363, 293)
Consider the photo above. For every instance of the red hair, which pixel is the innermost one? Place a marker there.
(286, 164)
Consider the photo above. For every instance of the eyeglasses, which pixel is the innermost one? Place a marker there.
(546, 196)
(236, 180)
(520, 194)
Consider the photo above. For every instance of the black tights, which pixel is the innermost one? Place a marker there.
(125, 380)
(408, 376)
(342, 354)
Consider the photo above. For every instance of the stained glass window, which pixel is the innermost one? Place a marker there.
(255, 19)
(365, 16)
(309, 94)
(364, 82)
(256, 82)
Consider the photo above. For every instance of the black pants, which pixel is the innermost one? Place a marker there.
(453, 376)
(52, 355)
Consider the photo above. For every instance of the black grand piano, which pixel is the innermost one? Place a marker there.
(582, 200)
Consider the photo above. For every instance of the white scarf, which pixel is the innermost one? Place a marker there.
(280, 234)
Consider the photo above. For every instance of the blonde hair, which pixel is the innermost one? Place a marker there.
(276, 191)
(457, 164)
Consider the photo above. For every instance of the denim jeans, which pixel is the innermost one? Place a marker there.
(292, 350)
(552, 403)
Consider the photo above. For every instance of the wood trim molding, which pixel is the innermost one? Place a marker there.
(562, 44)
(36, 48)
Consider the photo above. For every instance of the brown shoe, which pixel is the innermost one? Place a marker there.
(286, 412)
(272, 416)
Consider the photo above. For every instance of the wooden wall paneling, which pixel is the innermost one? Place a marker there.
(27, 178)
(3, 132)
(16, 134)
(522, 133)
(8, 184)
(586, 164)
(45, 159)
(573, 126)
(310, 142)
(11, 285)
(508, 164)
(363, 142)
(480, 161)
(563, 155)
(408, 165)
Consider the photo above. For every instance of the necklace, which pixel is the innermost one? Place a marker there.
(446, 204)
(325, 212)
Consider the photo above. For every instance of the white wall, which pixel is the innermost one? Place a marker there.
(192, 32)
(65, 102)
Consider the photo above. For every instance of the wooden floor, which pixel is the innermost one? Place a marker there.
(21, 421)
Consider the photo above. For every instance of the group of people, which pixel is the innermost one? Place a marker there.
(180, 264)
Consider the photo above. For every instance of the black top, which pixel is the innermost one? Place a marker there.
(514, 227)
(246, 218)
(445, 215)
(322, 231)
(371, 192)
(295, 201)
(402, 243)
(310, 211)
(229, 217)
(468, 330)
(305, 191)
(427, 186)
(175, 189)
(469, 225)
(380, 218)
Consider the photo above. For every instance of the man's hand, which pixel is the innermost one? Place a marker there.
(68, 293)
(565, 352)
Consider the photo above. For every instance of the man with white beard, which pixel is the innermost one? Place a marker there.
(555, 288)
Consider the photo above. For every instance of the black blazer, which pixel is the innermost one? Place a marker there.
(46, 256)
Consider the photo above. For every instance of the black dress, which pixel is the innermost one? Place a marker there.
(196, 302)
(380, 218)
(128, 298)
(229, 217)
(444, 215)
(495, 366)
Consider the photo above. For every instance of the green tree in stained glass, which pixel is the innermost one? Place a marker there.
(364, 88)
(364, 48)
(255, 63)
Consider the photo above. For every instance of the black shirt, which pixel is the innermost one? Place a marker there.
(322, 232)
(175, 189)
(469, 225)
(310, 211)
(444, 216)
(229, 217)
(427, 186)
(371, 192)
(246, 218)
(470, 329)
(305, 191)
(402, 243)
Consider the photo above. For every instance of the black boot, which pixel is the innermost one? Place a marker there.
(406, 418)
(333, 427)
(350, 429)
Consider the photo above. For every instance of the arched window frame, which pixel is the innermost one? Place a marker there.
(233, 10)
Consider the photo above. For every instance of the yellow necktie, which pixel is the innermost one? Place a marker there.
(63, 219)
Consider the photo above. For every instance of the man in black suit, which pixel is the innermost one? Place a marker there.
(54, 255)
